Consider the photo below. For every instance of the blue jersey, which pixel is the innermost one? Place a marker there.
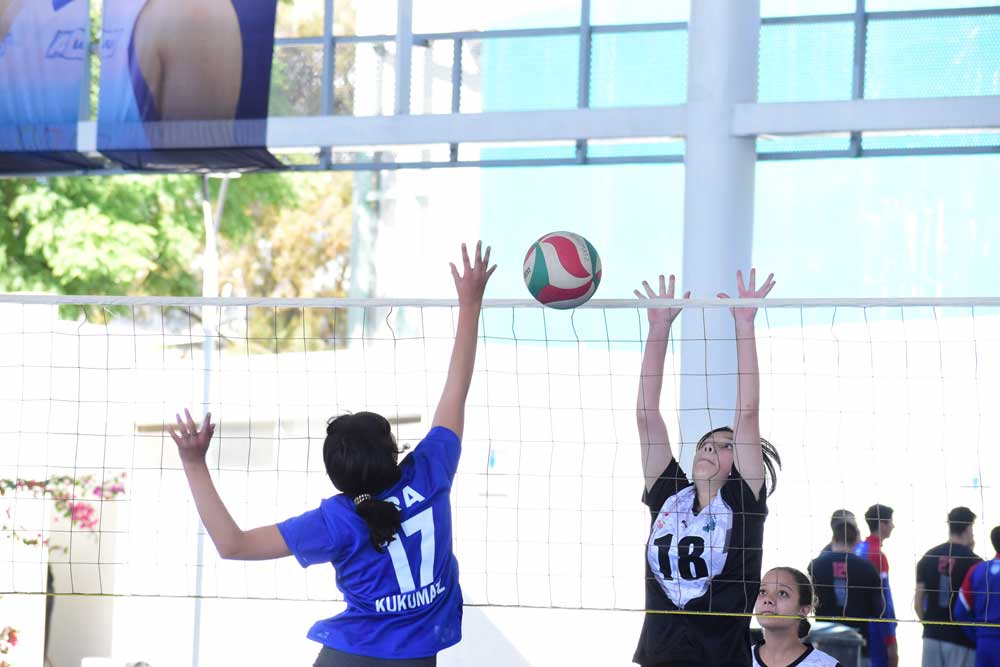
(979, 600)
(42, 60)
(404, 602)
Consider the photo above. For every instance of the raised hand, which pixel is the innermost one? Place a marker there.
(471, 283)
(745, 315)
(192, 441)
(661, 316)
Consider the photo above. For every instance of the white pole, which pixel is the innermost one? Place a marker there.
(404, 55)
(209, 330)
(723, 45)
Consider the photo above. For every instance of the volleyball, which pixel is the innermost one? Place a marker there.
(562, 270)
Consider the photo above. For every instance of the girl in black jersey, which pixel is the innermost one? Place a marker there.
(704, 547)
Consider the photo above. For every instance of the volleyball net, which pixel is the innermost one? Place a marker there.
(867, 401)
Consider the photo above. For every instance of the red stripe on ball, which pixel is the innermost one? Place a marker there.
(568, 255)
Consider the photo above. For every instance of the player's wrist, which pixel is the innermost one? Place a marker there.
(194, 464)
(470, 301)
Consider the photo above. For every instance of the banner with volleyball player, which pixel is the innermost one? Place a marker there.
(43, 50)
(185, 84)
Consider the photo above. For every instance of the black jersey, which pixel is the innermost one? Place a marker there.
(941, 571)
(847, 586)
(704, 561)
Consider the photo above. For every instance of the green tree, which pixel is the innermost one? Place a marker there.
(298, 252)
(297, 70)
(120, 235)
(281, 235)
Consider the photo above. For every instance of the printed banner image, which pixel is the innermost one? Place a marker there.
(43, 59)
(185, 83)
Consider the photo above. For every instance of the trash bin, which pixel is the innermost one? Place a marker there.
(842, 642)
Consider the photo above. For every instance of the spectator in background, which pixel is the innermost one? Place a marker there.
(847, 586)
(882, 636)
(837, 517)
(979, 602)
(939, 576)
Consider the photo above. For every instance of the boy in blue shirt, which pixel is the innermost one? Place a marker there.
(388, 533)
(979, 602)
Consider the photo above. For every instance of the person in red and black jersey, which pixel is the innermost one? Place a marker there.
(939, 577)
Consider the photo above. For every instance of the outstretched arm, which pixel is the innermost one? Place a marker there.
(654, 442)
(470, 285)
(262, 543)
(749, 457)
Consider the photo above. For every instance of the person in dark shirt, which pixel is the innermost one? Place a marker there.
(939, 576)
(835, 518)
(847, 586)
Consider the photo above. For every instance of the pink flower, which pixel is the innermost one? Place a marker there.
(83, 514)
(98, 491)
(12, 637)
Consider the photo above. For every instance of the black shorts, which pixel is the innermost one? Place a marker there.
(329, 657)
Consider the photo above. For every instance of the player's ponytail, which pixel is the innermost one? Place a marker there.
(772, 462)
(361, 456)
(382, 518)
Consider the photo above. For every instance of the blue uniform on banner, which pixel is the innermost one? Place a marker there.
(118, 103)
(127, 103)
(42, 61)
(406, 601)
(979, 602)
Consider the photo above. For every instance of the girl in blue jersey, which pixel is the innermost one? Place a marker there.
(703, 553)
(388, 533)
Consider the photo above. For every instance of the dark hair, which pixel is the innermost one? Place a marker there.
(995, 538)
(844, 532)
(771, 457)
(361, 456)
(959, 519)
(876, 514)
(841, 515)
(807, 596)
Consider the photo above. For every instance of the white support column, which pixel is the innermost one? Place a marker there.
(723, 45)
(404, 55)
(210, 332)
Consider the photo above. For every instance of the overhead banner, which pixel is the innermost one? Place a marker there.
(185, 83)
(43, 58)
